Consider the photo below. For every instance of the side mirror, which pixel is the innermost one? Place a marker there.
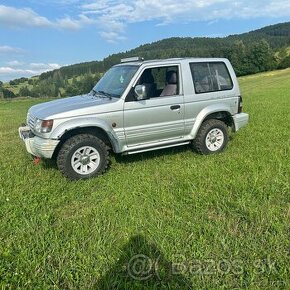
(140, 92)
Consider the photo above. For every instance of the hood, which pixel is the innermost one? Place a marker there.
(71, 106)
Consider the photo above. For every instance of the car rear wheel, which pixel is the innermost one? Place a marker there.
(83, 156)
(212, 137)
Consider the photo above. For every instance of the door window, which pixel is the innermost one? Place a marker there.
(210, 77)
(158, 82)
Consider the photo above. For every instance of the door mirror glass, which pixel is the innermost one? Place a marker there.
(140, 92)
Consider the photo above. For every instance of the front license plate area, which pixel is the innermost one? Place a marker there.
(24, 132)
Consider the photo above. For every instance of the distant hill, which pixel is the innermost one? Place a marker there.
(256, 51)
(277, 35)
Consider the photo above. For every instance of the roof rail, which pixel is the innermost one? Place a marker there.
(130, 59)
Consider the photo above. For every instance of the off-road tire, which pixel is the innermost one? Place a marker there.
(199, 143)
(76, 142)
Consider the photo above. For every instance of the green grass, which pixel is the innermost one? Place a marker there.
(223, 218)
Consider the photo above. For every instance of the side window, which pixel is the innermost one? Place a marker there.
(210, 77)
(160, 81)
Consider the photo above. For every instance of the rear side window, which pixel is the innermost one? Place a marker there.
(210, 77)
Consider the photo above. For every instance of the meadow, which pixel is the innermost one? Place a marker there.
(169, 219)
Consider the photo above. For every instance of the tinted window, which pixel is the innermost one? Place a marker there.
(210, 77)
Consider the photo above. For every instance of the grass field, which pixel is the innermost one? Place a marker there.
(162, 220)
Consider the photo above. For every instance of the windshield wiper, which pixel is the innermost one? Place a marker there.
(93, 92)
(102, 94)
(105, 94)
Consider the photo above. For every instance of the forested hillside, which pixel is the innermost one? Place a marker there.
(256, 51)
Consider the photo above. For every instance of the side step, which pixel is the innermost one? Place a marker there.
(155, 148)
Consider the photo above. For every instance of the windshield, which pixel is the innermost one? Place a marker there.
(115, 81)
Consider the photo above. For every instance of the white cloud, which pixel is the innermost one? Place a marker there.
(115, 15)
(14, 63)
(10, 70)
(26, 17)
(278, 8)
(102, 4)
(112, 37)
(43, 66)
(5, 49)
(111, 17)
(14, 17)
(18, 69)
(74, 24)
(68, 23)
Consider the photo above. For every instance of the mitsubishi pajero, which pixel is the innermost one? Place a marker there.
(138, 106)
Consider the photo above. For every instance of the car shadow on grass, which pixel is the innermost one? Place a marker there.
(142, 266)
(48, 164)
(153, 154)
(127, 159)
(139, 157)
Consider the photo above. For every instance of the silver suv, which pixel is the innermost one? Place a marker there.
(138, 106)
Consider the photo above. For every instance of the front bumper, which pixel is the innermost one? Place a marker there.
(35, 145)
(240, 120)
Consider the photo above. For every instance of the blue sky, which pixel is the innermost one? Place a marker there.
(40, 35)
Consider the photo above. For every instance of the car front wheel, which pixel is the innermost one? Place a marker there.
(83, 156)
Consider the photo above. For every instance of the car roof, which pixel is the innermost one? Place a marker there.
(170, 60)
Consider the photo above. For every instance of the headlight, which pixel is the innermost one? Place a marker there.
(43, 126)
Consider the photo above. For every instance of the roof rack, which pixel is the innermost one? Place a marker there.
(130, 59)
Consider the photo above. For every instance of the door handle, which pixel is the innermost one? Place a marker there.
(175, 107)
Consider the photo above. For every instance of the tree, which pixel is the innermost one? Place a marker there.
(262, 56)
(237, 55)
(24, 92)
(72, 89)
(7, 94)
(86, 84)
(285, 62)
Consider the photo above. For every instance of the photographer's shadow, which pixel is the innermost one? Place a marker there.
(142, 266)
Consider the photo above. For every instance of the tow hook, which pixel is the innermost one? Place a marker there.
(36, 160)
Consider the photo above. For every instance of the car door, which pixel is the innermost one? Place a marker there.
(159, 118)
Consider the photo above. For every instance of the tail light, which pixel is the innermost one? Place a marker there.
(240, 104)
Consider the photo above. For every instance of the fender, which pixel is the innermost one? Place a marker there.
(84, 122)
(215, 108)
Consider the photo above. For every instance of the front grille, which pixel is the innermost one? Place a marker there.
(31, 121)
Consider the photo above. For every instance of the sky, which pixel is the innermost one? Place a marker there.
(41, 35)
